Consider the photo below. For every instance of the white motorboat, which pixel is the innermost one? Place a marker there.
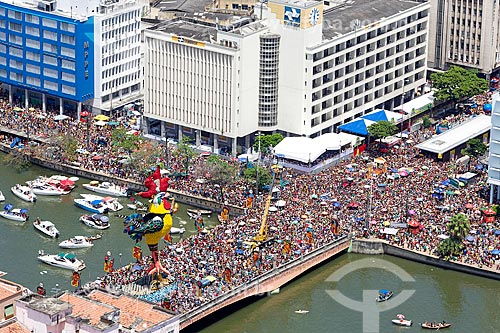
(95, 221)
(111, 203)
(137, 207)
(301, 311)
(23, 192)
(106, 188)
(175, 230)
(16, 214)
(2, 197)
(46, 227)
(77, 242)
(401, 321)
(62, 260)
(95, 206)
(42, 188)
(200, 211)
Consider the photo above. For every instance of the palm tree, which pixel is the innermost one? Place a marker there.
(459, 228)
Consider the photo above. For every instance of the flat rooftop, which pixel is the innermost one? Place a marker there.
(49, 305)
(456, 136)
(190, 30)
(187, 6)
(34, 5)
(339, 20)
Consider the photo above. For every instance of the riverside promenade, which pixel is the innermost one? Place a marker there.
(277, 277)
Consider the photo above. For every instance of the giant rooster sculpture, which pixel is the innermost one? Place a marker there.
(154, 225)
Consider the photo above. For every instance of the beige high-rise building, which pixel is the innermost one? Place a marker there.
(465, 33)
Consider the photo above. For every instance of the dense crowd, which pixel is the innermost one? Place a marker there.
(357, 197)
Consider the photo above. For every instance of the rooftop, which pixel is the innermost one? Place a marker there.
(91, 311)
(340, 19)
(134, 313)
(33, 4)
(456, 136)
(9, 289)
(49, 305)
(187, 6)
(13, 327)
(199, 32)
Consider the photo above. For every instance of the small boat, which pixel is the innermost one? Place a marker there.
(16, 214)
(191, 215)
(112, 204)
(95, 206)
(401, 321)
(175, 230)
(94, 237)
(96, 221)
(434, 325)
(301, 311)
(106, 188)
(46, 227)
(2, 197)
(62, 260)
(137, 207)
(40, 188)
(384, 295)
(23, 192)
(200, 211)
(77, 242)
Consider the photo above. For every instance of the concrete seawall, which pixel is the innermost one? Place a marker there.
(132, 185)
(375, 246)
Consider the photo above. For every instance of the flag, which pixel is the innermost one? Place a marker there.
(137, 252)
(75, 281)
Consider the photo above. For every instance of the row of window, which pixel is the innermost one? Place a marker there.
(132, 15)
(30, 18)
(34, 81)
(35, 56)
(36, 69)
(120, 81)
(135, 64)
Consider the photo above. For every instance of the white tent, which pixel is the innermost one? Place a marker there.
(390, 231)
(308, 150)
(420, 103)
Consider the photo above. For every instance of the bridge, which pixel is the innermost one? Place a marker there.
(267, 282)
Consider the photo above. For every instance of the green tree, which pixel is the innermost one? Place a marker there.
(426, 121)
(184, 153)
(475, 147)
(382, 129)
(122, 140)
(218, 171)
(265, 177)
(458, 227)
(457, 83)
(17, 160)
(267, 142)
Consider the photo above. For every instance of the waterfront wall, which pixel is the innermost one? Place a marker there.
(181, 197)
(273, 279)
(376, 246)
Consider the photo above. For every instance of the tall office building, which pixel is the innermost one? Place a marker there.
(465, 33)
(66, 55)
(494, 155)
(304, 69)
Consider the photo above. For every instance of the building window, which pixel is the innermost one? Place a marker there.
(32, 43)
(49, 23)
(33, 80)
(68, 64)
(16, 76)
(16, 64)
(14, 26)
(8, 311)
(50, 35)
(33, 68)
(51, 73)
(32, 31)
(68, 77)
(50, 47)
(31, 18)
(50, 85)
(65, 51)
(50, 60)
(67, 27)
(68, 39)
(3, 48)
(15, 15)
(14, 51)
(3, 61)
(16, 39)
(33, 56)
(68, 90)
(3, 73)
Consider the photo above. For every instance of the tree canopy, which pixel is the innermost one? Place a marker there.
(457, 83)
(267, 142)
(475, 147)
(265, 177)
(218, 171)
(458, 228)
(184, 153)
(122, 139)
(382, 129)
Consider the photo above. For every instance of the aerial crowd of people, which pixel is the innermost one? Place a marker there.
(358, 198)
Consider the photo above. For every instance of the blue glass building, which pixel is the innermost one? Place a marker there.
(46, 56)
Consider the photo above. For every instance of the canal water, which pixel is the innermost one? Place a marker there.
(20, 242)
(470, 303)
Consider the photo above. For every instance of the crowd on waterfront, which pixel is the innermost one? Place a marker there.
(357, 197)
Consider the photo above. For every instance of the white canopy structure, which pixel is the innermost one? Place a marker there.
(307, 150)
(418, 104)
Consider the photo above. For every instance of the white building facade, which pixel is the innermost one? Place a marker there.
(301, 70)
(494, 157)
